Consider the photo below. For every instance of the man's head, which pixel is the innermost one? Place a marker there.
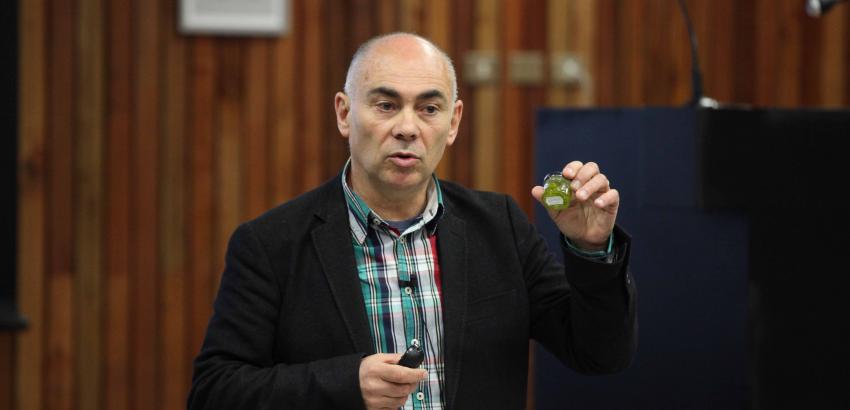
(399, 112)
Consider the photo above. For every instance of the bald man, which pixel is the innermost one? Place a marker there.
(321, 295)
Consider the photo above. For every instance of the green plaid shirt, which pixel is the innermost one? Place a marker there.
(399, 276)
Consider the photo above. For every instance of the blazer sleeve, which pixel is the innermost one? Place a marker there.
(583, 311)
(236, 368)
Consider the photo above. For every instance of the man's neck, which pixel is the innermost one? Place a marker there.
(393, 206)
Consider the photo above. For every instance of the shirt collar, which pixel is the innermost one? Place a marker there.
(362, 218)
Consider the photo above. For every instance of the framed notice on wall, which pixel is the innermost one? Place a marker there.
(234, 17)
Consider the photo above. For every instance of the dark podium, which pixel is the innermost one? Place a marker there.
(738, 225)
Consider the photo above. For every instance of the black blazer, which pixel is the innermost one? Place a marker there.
(289, 326)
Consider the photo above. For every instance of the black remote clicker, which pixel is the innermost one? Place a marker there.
(413, 357)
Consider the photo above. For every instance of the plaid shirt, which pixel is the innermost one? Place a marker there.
(400, 278)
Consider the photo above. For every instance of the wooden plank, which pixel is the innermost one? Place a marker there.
(633, 48)
(387, 12)
(7, 360)
(314, 108)
(744, 52)
(833, 59)
(512, 108)
(174, 373)
(60, 381)
(284, 163)
(680, 91)
(604, 58)
(436, 27)
(116, 380)
(789, 44)
(228, 167)
(254, 118)
(336, 59)
(145, 312)
(89, 203)
(487, 138)
(717, 44)
(410, 12)
(363, 20)
(31, 251)
(811, 32)
(560, 27)
(585, 44)
(462, 42)
(519, 146)
(202, 75)
(767, 52)
(659, 73)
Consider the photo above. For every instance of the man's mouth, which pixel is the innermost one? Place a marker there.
(404, 159)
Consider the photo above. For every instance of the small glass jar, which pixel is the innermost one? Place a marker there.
(557, 193)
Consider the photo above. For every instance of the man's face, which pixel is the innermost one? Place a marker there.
(400, 117)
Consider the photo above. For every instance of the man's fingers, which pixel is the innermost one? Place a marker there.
(571, 169)
(609, 200)
(537, 193)
(598, 184)
(390, 358)
(401, 375)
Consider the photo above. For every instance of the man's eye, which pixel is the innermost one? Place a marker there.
(385, 106)
(431, 109)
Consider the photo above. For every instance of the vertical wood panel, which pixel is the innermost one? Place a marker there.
(336, 58)
(117, 252)
(31, 252)
(513, 109)
(604, 57)
(560, 25)
(88, 210)
(487, 137)
(200, 214)
(254, 130)
(311, 159)
(7, 354)
(283, 121)
(60, 382)
(789, 63)
(228, 165)
(834, 60)
(436, 27)
(145, 164)
(174, 374)
(463, 41)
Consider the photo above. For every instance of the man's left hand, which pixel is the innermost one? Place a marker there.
(589, 220)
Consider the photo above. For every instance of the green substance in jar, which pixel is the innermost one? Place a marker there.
(557, 193)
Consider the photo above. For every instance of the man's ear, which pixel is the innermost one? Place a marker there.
(342, 106)
(457, 114)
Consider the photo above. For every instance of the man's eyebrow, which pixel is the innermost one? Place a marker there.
(389, 92)
(427, 95)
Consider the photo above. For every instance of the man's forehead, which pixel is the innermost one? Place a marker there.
(392, 68)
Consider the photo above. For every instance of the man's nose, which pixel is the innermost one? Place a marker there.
(406, 127)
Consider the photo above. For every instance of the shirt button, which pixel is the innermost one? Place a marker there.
(420, 396)
(408, 290)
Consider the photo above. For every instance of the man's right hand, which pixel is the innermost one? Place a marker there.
(386, 385)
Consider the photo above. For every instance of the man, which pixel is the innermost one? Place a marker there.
(321, 294)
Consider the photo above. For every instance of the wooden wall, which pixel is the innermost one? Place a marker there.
(141, 149)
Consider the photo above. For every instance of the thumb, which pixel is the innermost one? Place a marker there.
(537, 193)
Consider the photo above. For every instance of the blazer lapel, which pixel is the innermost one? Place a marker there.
(336, 255)
(451, 239)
